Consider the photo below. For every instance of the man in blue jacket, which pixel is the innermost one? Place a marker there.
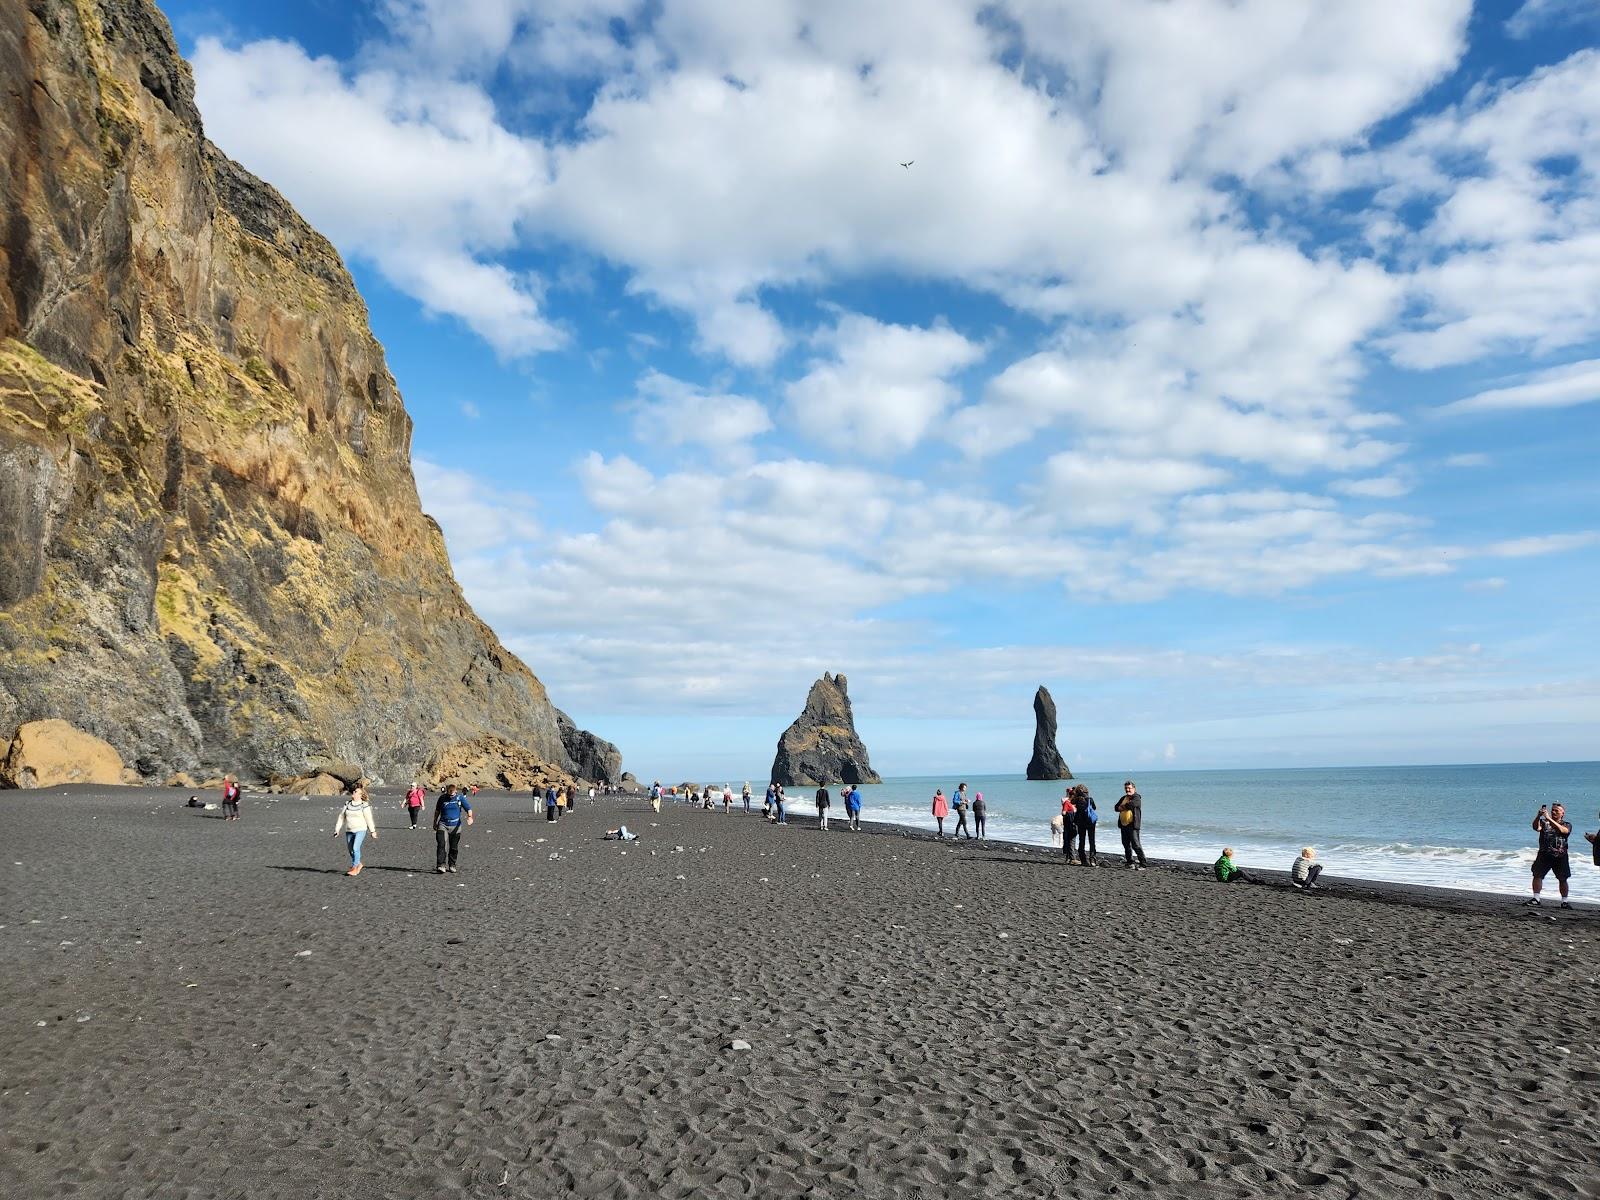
(450, 814)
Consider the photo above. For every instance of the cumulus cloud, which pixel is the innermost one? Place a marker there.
(672, 412)
(473, 522)
(1557, 387)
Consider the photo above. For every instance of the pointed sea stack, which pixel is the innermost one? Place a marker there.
(821, 746)
(1046, 762)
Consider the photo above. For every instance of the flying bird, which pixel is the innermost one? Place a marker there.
(907, 165)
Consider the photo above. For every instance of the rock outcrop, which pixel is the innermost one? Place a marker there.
(1046, 762)
(492, 762)
(212, 553)
(589, 756)
(821, 746)
(47, 753)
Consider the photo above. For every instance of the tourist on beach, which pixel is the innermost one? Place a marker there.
(1058, 830)
(745, 795)
(1554, 829)
(414, 801)
(980, 812)
(1594, 840)
(571, 795)
(767, 804)
(777, 804)
(549, 798)
(357, 823)
(1069, 822)
(1303, 873)
(230, 799)
(1130, 820)
(961, 805)
(727, 800)
(1088, 818)
(941, 808)
(620, 834)
(655, 795)
(449, 815)
(852, 807)
(1226, 871)
(823, 801)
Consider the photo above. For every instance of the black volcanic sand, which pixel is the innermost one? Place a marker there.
(924, 1019)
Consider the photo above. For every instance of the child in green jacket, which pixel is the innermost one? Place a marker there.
(1226, 871)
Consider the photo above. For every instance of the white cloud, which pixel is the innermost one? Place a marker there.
(1089, 490)
(471, 523)
(1376, 487)
(882, 388)
(1557, 387)
(1534, 14)
(1540, 544)
(675, 413)
(1490, 583)
(1469, 459)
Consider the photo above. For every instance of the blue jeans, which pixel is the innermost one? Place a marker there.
(352, 841)
(781, 821)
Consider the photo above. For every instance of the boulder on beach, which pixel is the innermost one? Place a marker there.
(1046, 762)
(821, 746)
(492, 762)
(48, 753)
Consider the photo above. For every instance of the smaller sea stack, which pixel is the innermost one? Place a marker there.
(1046, 762)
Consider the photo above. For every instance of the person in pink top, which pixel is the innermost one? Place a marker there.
(414, 802)
(941, 808)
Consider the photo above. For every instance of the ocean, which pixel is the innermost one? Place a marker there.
(1451, 826)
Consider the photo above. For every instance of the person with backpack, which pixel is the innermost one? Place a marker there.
(1088, 818)
(414, 801)
(450, 815)
(230, 799)
(357, 822)
(1130, 820)
(961, 806)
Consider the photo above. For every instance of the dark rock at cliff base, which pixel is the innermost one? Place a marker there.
(591, 757)
(1046, 762)
(212, 552)
(821, 746)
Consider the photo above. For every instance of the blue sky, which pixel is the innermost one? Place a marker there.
(1231, 368)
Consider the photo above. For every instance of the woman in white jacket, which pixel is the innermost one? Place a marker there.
(356, 822)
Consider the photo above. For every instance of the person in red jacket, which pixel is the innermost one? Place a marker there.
(230, 799)
(414, 802)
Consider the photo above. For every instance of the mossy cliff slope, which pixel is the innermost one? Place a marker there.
(212, 554)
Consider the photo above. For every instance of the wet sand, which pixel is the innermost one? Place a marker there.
(924, 1019)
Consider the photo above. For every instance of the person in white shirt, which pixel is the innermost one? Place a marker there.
(356, 822)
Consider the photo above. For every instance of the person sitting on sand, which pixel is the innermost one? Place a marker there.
(1554, 829)
(195, 802)
(1304, 872)
(941, 808)
(357, 823)
(1069, 821)
(961, 806)
(823, 801)
(1088, 817)
(1226, 871)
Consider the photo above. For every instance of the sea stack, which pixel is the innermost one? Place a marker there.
(821, 746)
(212, 552)
(1046, 762)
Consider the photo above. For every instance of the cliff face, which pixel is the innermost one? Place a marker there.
(1046, 762)
(821, 746)
(212, 553)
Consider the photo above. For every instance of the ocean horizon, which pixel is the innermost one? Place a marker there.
(1442, 825)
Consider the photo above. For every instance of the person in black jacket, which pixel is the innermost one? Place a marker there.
(1130, 820)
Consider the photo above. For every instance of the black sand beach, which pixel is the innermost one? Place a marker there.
(192, 1008)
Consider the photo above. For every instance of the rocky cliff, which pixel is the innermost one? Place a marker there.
(1046, 762)
(821, 746)
(212, 553)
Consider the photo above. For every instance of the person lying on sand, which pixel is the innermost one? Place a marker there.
(620, 834)
(1227, 871)
(1304, 872)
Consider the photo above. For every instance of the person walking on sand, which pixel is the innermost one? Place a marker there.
(655, 796)
(745, 795)
(230, 799)
(1088, 817)
(941, 808)
(727, 799)
(980, 814)
(962, 804)
(450, 815)
(357, 822)
(1554, 829)
(823, 800)
(1069, 822)
(1305, 869)
(1226, 871)
(413, 803)
(1130, 820)
(852, 808)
